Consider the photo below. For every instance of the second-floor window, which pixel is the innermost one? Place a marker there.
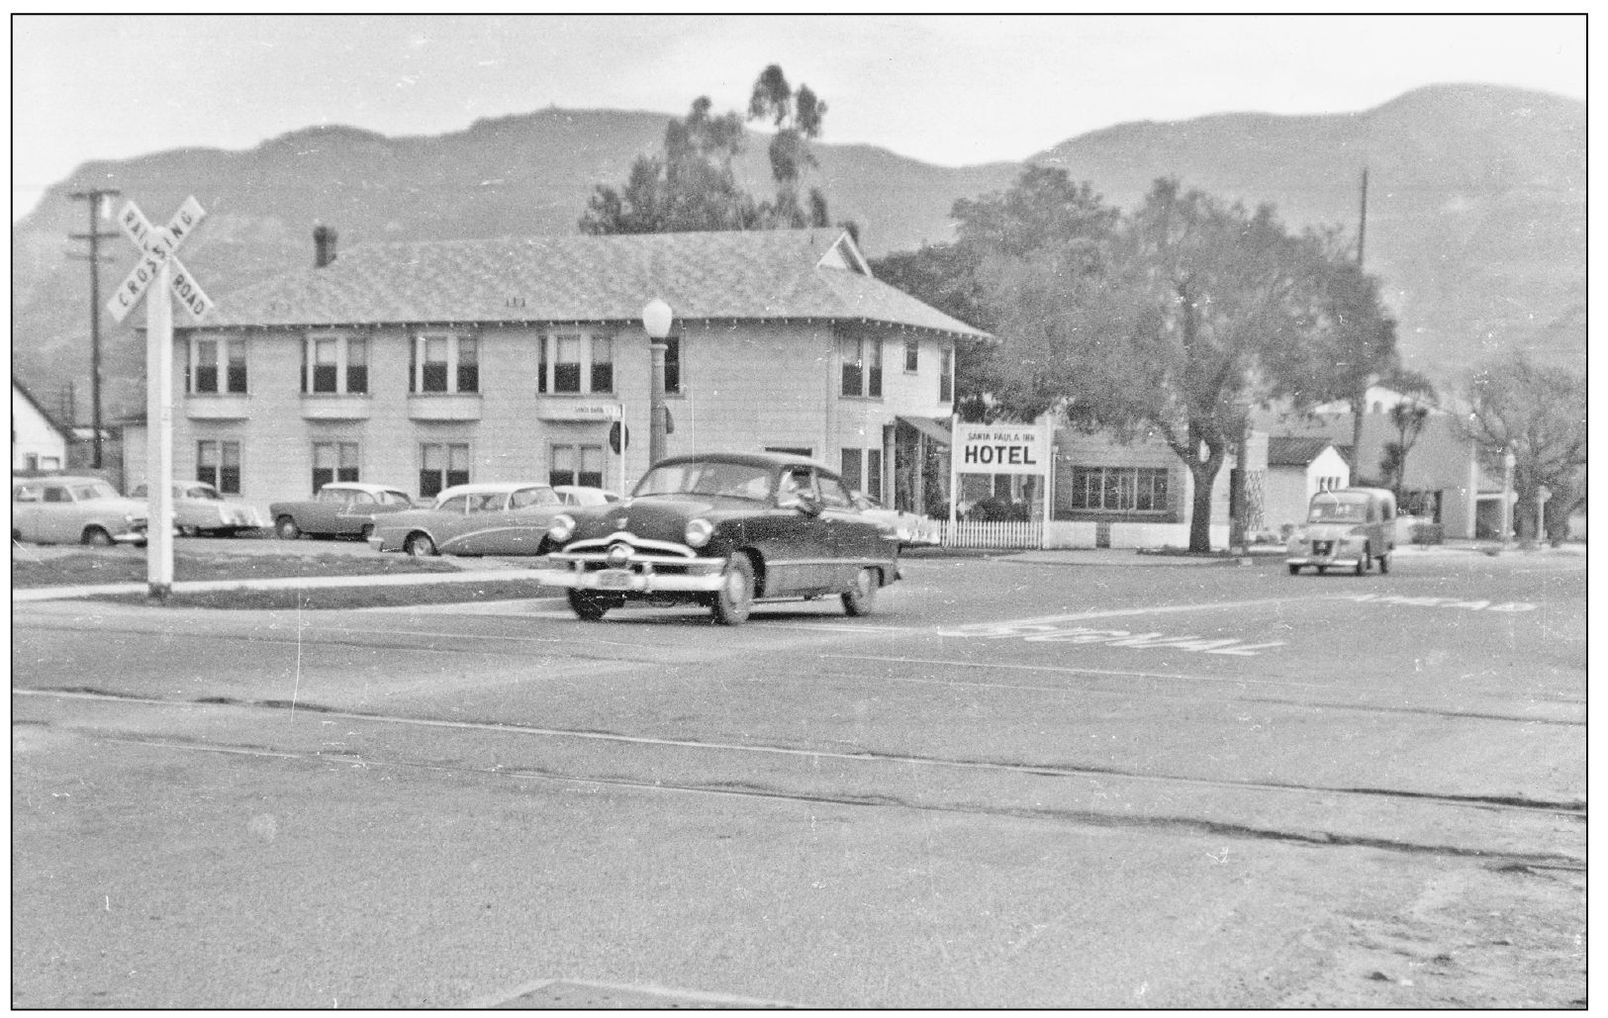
(574, 362)
(862, 365)
(946, 370)
(335, 364)
(445, 362)
(217, 365)
(912, 352)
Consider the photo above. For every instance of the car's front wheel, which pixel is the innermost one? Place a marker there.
(589, 607)
(1364, 561)
(863, 598)
(286, 528)
(419, 546)
(735, 599)
(1294, 569)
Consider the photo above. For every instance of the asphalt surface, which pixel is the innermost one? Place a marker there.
(1022, 783)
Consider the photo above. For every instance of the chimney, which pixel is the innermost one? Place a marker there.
(323, 246)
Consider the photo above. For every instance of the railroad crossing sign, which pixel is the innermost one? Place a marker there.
(159, 246)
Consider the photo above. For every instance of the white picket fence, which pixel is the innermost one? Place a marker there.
(980, 534)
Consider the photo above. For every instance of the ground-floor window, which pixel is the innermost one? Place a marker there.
(862, 471)
(1120, 489)
(335, 461)
(218, 464)
(577, 464)
(442, 465)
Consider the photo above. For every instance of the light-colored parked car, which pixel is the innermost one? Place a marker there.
(199, 508)
(910, 528)
(1348, 528)
(577, 494)
(492, 518)
(340, 509)
(74, 510)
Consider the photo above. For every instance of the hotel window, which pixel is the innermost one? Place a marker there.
(575, 363)
(672, 365)
(946, 384)
(912, 355)
(445, 362)
(218, 464)
(862, 366)
(602, 364)
(577, 464)
(217, 365)
(335, 364)
(442, 465)
(1120, 489)
(334, 461)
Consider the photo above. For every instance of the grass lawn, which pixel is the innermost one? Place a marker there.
(127, 565)
(324, 598)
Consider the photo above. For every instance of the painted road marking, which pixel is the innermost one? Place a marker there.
(1439, 602)
(1067, 670)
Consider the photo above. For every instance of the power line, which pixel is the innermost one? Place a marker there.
(94, 196)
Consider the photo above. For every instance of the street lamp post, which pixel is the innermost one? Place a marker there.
(1507, 498)
(657, 318)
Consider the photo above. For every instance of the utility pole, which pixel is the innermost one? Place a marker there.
(1362, 226)
(94, 196)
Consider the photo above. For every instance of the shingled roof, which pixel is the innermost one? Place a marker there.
(1295, 452)
(815, 275)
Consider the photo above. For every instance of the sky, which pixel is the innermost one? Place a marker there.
(952, 90)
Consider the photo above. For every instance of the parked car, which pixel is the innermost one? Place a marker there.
(499, 518)
(577, 494)
(199, 508)
(340, 509)
(723, 530)
(1347, 527)
(74, 510)
(910, 528)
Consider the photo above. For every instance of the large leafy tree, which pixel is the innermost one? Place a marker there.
(693, 185)
(1537, 413)
(1180, 319)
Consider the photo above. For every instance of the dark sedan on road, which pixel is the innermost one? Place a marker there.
(340, 509)
(723, 530)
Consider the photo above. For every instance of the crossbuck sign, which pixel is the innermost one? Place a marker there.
(159, 246)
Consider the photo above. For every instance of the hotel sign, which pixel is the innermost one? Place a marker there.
(1002, 449)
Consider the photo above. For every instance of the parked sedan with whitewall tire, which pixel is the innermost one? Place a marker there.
(199, 508)
(74, 510)
(724, 531)
(339, 509)
(491, 518)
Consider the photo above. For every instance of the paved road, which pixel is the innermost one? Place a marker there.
(1017, 785)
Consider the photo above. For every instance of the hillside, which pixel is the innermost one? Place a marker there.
(1476, 208)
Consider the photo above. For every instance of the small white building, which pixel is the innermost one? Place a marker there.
(38, 441)
(1297, 469)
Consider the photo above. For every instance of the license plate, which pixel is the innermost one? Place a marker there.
(614, 579)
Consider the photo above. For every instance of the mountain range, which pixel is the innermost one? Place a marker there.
(1475, 209)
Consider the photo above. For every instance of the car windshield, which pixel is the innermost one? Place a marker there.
(86, 492)
(1331, 510)
(713, 477)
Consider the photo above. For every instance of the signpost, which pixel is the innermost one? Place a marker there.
(1002, 449)
(159, 264)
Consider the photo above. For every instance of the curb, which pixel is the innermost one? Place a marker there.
(276, 583)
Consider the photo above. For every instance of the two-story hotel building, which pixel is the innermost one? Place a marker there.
(434, 363)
